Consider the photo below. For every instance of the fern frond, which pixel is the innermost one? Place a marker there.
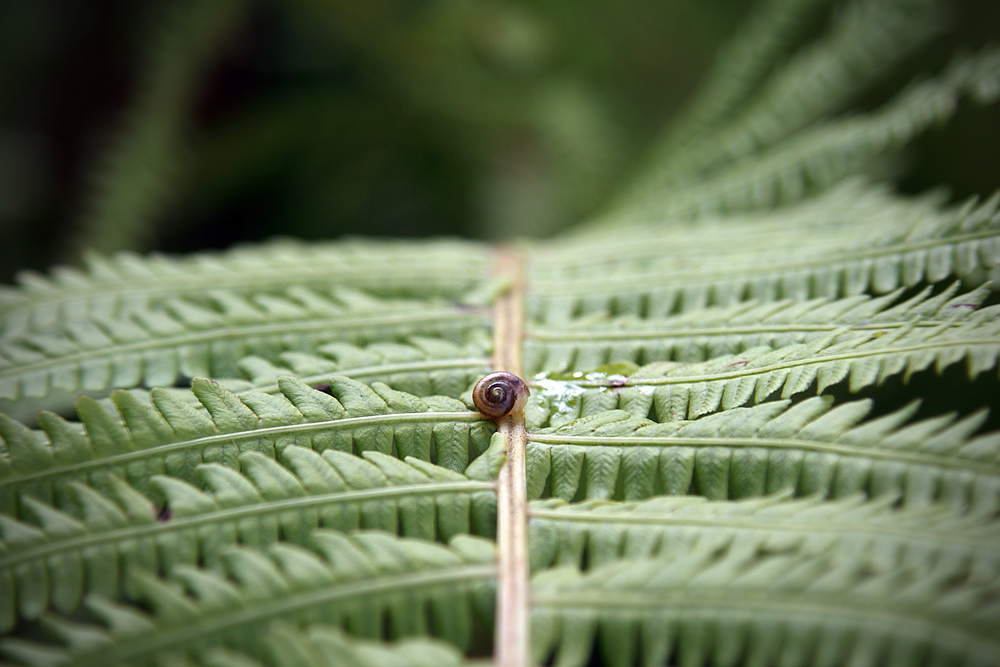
(122, 284)
(425, 367)
(867, 39)
(738, 69)
(171, 437)
(820, 155)
(158, 347)
(672, 391)
(284, 645)
(687, 503)
(595, 533)
(807, 448)
(420, 366)
(911, 245)
(713, 332)
(326, 646)
(744, 608)
(64, 554)
(375, 584)
(137, 177)
(838, 214)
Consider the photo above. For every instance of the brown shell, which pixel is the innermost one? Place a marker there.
(499, 394)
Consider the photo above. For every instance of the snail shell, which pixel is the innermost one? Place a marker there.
(499, 394)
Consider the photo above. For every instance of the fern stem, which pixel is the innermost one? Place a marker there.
(512, 642)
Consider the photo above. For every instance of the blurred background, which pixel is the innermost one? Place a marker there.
(193, 124)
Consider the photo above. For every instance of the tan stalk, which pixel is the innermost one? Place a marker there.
(511, 636)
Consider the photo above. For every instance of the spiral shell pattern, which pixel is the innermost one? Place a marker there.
(499, 394)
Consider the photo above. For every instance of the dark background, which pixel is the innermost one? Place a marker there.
(319, 118)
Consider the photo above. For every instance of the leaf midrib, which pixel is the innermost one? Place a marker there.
(807, 361)
(382, 369)
(700, 243)
(202, 627)
(175, 284)
(223, 515)
(242, 435)
(642, 280)
(794, 524)
(337, 322)
(732, 442)
(680, 332)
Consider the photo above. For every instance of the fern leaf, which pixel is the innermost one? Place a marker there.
(157, 347)
(283, 645)
(373, 583)
(426, 367)
(672, 391)
(821, 155)
(331, 485)
(323, 645)
(595, 533)
(838, 215)
(420, 366)
(739, 67)
(172, 437)
(868, 38)
(713, 332)
(806, 448)
(68, 553)
(698, 607)
(138, 175)
(123, 284)
(914, 245)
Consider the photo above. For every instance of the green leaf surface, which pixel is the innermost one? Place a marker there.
(58, 556)
(371, 582)
(809, 447)
(703, 484)
(698, 606)
(169, 436)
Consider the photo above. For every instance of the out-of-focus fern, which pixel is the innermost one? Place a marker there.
(732, 455)
(291, 582)
(701, 606)
(135, 184)
(868, 37)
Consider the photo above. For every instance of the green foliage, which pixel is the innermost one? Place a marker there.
(139, 173)
(759, 607)
(138, 439)
(758, 433)
(592, 534)
(867, 37)
(806, 448)
(63, 555)
(673, 391)
(370, 582)
(156, 347)
(124, 284)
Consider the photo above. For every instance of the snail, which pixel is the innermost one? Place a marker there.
(499, 394)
